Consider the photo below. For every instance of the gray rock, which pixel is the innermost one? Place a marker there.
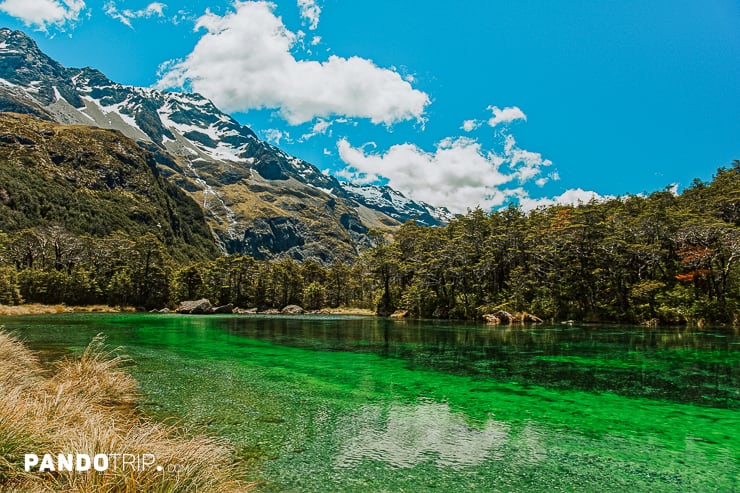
(245, 311)
(202, 306)
(292, 309)
(224, 309)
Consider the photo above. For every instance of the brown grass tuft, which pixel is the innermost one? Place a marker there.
(87, 406)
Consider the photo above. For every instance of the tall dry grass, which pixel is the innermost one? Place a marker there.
(87, 405)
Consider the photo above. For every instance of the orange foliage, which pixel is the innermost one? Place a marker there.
(693, 274)
(561, 220)
(693, 254)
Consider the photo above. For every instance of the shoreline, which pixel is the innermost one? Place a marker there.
(41, 309)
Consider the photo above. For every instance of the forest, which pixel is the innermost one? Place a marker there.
(661, 257)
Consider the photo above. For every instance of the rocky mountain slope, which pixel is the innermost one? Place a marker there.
(257, 199)
(95, 182)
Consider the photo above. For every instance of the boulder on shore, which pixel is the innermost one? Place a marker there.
(224, 309)
(244, 311)
(292, 309)
(202, 306)
(504, 316)
(528, 318)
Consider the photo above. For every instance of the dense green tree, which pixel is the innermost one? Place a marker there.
(314, 296)
(664, 256)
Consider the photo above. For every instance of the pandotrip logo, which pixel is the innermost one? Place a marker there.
(99, 462)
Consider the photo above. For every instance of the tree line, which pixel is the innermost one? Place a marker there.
(663, 257)
(51, 265)
(666, 257)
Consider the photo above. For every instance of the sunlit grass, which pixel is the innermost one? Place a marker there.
(87, 405)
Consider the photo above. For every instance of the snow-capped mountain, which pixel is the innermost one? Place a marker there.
(258, 199)
(397, 205)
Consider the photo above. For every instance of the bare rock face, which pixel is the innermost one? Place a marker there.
(202, 306)
(292, 309)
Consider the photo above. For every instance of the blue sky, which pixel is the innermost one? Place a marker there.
(477, 103)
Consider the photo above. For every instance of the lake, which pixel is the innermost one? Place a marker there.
(337, 403)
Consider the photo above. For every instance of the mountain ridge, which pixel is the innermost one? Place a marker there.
(258, 199)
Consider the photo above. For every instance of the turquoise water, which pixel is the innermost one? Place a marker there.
(365, 404)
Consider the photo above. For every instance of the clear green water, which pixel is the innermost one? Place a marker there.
(360, 404)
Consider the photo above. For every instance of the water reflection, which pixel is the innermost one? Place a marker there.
(681, 364)
(406, 435)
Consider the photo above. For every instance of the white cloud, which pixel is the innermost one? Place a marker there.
(506, 115)
(316, 40)
(244, 62)
(275, 135)
(319, 128)
(530, 162)
(44, 13)
(573, 196)
(470, 125)
(125, 16)
(554, 176)
(459, 174)
(311, 12)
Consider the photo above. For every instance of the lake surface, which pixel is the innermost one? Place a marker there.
(364, 404)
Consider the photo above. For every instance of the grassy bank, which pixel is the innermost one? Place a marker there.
(39, 309)
(87, 405)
